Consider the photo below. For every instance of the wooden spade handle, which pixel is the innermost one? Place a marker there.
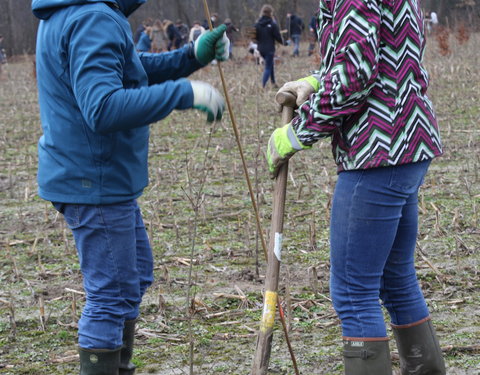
(265, 335)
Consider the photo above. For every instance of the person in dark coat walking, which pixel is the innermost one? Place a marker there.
(173, 36)
(183, 31)
(231, 29)
(213, 19)
(267, 32)
(295, 29)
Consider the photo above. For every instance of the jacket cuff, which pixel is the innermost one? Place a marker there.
(191, 50)
(191, 53)
(313, 81)
(186, 88)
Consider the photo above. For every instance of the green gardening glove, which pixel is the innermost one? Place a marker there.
(283, 143)
(212, 44)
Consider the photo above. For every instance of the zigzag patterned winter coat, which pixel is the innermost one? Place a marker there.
(372, 99)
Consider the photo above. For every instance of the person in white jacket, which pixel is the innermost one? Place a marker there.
(195, 31)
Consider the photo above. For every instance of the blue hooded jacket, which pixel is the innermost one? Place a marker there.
(97, 96)
(144, 43)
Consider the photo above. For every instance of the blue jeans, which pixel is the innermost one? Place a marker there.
(269, 70)
(117, 267)
(296, 44)
(373, 235)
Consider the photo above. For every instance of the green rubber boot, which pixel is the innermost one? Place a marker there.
(127, 367)
(418, 349)
(99, 361)
(367, 357)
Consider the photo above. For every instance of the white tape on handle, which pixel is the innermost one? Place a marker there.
(277, 249)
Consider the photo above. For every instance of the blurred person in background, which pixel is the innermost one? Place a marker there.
(195, 31)
(144, 43)
(159, 39)
(295, 27)
(213, 20)
(3, 54)
(173, 36)
(231, 31)
(267, 33)
(184, 31)
(432, 22)
(140, 28)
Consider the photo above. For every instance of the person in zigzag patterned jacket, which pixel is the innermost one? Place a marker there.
(369, 97)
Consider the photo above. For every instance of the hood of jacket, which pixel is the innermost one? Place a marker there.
(43, 9)
(265, 20)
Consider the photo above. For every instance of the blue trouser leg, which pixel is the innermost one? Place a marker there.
(296, 44)
(117, 267)
(268, 72)
(272, 73)
(373, 235)
(144, 258)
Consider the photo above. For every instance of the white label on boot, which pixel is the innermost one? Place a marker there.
(358, 344)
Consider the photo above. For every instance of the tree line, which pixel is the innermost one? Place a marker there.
(18, 25)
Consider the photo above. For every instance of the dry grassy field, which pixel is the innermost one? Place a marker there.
(204, 308)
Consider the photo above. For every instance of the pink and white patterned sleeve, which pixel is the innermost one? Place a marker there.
(349, 31)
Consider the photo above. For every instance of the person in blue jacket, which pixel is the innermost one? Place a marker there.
(97, 97)
(144, 43)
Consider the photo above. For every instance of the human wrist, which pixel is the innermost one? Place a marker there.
(313, 81)
(191, 50)
(287, 141)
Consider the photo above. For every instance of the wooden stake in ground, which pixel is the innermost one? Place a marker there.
(250, 188)
(265, 335)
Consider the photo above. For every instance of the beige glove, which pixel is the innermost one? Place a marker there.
(301, 89)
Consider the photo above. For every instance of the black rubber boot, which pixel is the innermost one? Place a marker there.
(418, 349)
(367, 357)
(99, 361)
(127, 367)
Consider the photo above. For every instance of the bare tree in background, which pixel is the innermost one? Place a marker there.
(18, 25)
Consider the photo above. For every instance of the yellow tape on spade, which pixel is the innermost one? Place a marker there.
(269, 309)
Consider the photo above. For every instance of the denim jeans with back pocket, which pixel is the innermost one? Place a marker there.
(373, 238)
(117, 267)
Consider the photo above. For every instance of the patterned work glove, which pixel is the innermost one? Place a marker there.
(283, 143)
(211, 45)
(206, 98)
(301, 89)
